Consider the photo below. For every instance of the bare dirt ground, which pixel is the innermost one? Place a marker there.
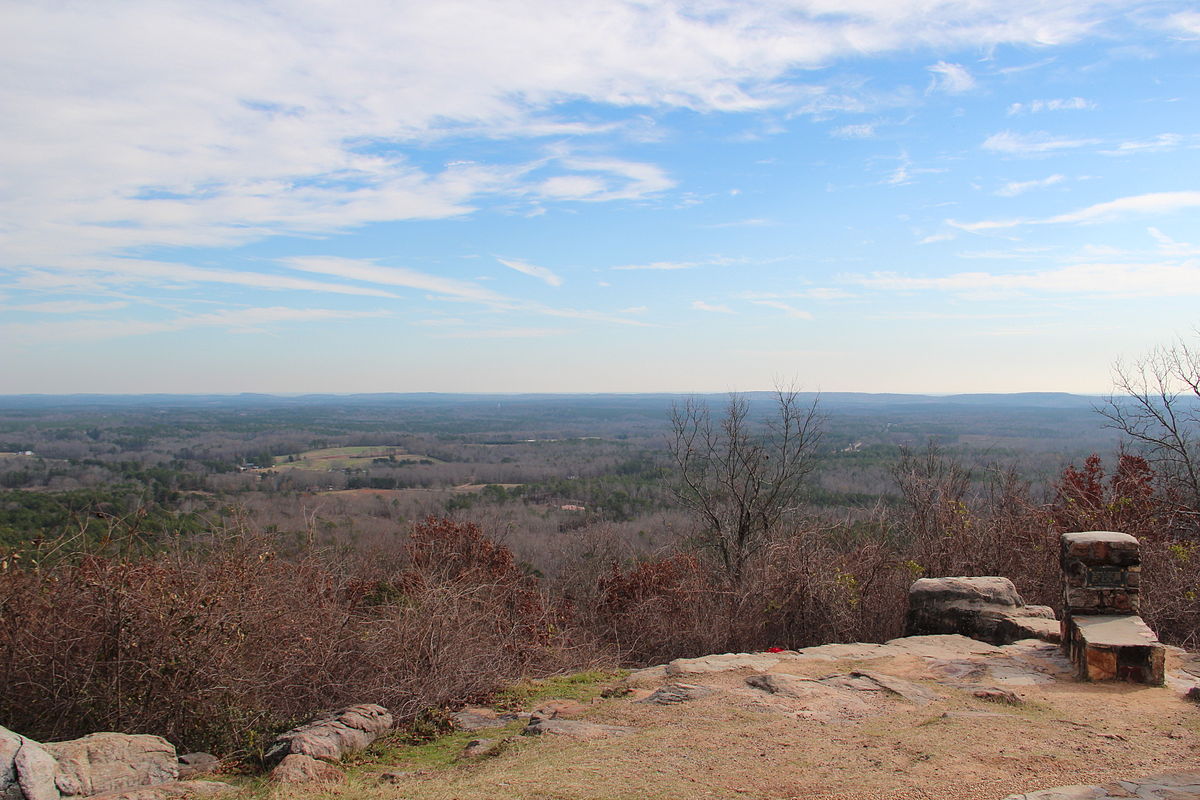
(830, 732)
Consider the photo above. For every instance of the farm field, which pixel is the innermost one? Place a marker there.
(340, 458)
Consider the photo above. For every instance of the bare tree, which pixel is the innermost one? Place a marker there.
(1156, 404)
(741, 478)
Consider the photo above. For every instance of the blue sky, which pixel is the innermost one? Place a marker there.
(910, 195)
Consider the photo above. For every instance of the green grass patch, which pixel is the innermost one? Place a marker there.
(395, 750)
(579, 686)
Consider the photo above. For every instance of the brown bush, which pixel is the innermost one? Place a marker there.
(217, 647)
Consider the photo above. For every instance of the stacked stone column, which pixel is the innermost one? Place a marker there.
(1101, 630)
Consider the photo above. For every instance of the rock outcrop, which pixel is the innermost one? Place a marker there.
(297, 768)
(987, 608)
(27, 771)
(332, 734)
(106, 762)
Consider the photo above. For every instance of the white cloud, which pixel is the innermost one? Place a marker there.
(700, 305)
(369, 272)
(69, 307)
(660, 265)
(1014, 188)
(1187, 22)
(791, 311)
(1125, 280)
(245, 320)
(1155, 144)
(1057, 104)
(541, 273)
(862, 131)
(145, 124)
(1038, 143)
(951, 78)
(1154, 203)
(933, 238)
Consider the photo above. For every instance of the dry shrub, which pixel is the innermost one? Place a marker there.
(218, 647)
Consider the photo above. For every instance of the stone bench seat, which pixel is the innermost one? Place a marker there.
(1115, 647)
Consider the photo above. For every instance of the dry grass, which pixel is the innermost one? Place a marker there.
(738, 745)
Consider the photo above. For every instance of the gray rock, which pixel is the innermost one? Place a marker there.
(573, 729)
(912, 692)
(984, 608)
(107, 762)
(674, 693)
(482, 748)
(299, 768)
(474, 721)
(332, 734)
(786, 685)
(197, 764)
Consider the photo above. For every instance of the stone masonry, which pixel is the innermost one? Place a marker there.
(1101, 631)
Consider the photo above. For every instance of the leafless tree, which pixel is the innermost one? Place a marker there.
(1156, 404)
(741, 477)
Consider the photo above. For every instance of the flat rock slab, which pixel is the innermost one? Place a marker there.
(26, 770)
(574, 729)
(1157, 787)
(675, 693)
(912, 692)
(760, 662)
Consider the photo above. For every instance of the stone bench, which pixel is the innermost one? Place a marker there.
(1115, 647)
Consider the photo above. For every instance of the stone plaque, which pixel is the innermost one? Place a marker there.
(1110, 577)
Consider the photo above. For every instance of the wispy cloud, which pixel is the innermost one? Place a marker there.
(791, 311)
(1159, 203)
(700, 305)
(1014, 188)
(865, 130)
(1032, 144)
(1164, 279)
(661, 265)
(1163, 142)
(368, 271)
(1057, 104)
(541, 273)
(245, 320)
(951, 78)
(69, 307)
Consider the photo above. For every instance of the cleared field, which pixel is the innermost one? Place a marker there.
(337, 458)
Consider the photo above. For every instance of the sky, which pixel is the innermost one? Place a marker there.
(594, 196)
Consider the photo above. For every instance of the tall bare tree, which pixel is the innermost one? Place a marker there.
(1156, 404)
(740, 476)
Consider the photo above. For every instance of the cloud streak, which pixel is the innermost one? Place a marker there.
(541, 273)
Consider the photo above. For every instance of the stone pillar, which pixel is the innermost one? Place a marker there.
(1101, 632)
(1102, 573)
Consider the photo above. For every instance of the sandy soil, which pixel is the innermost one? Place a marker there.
(848, 744)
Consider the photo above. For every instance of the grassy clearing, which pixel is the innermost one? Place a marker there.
(336, 458)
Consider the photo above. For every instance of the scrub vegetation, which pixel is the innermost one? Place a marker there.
(216, 569)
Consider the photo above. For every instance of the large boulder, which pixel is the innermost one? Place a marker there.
(986, 608)
(297, 768)
(27, 771)
(108, 762)
(332, 734)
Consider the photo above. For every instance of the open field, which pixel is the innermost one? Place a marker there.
(339, 458)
